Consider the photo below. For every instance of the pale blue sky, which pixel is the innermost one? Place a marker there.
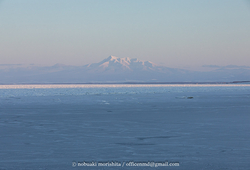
(174, 33)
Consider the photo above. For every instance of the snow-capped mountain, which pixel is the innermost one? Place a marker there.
(114, 69)
(113, 63)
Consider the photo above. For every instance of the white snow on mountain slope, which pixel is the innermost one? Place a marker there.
(113, 63)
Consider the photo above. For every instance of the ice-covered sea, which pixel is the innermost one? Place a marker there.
(57, 126)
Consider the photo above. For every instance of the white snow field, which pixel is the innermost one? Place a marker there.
(54, 126)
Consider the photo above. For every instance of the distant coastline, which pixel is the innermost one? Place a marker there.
(110, 83)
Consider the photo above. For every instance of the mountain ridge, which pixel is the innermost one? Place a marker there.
(114, 63)
(114, 69)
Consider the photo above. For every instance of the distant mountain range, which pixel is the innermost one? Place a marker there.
(118, 70)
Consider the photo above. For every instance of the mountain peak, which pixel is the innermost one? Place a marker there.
(115, 64)
(112, 58)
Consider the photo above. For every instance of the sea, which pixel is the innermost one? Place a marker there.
(125, 126)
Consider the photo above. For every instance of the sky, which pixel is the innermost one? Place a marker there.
(174, 33)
